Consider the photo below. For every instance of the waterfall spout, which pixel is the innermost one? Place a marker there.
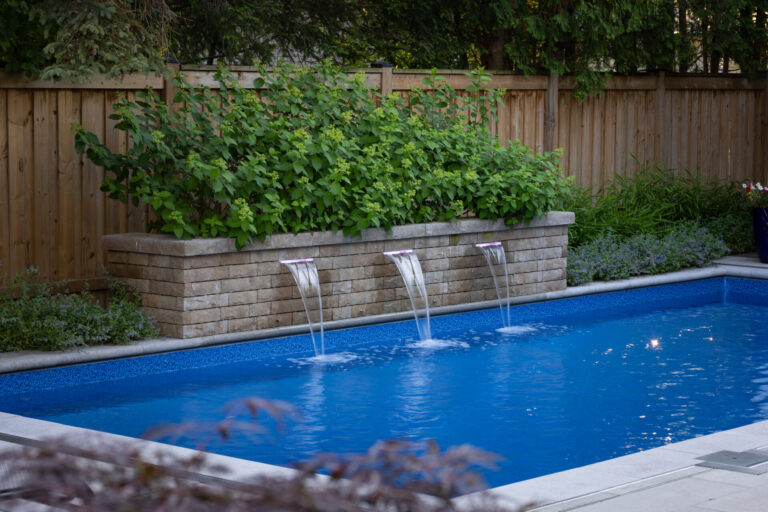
(304, 273)
(495, 256)
(410, 269)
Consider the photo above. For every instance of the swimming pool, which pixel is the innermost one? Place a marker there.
(584, 379)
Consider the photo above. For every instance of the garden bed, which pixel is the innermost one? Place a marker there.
(206, 287)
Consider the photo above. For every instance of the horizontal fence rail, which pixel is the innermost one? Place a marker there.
(53, 214)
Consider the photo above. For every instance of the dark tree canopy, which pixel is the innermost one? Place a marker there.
(77, 38)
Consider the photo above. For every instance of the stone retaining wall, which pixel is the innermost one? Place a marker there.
(205, 286)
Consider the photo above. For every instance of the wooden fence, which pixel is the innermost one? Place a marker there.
(52, 213)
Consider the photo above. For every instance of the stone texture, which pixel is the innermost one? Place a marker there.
(206, 287)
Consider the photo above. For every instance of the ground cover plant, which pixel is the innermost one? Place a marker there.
(32, 317)
(89, 475)
(319, 150)
(658, 221)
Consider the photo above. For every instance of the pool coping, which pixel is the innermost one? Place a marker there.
(557, 492)
(742, 266)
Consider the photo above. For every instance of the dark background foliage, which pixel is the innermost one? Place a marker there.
(586, 39)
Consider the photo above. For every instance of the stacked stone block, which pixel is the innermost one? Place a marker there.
(205, 286)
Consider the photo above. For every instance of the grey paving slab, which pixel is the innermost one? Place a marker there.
(576, 503)
(670, 497)
(752, 500)
(730, 477)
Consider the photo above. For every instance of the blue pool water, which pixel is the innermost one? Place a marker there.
(585, 379)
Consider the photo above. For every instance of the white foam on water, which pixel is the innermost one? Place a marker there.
(517, 330)
(335, 358)
(432, 344)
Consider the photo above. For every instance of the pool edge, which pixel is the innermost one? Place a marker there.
(585, 485)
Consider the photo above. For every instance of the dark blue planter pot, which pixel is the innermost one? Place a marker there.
(760, 226)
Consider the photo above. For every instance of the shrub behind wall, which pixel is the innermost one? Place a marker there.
(319, 150)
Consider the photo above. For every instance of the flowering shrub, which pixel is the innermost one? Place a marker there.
(610, 256)
(33, 318)
(757, 195)
(318, 150)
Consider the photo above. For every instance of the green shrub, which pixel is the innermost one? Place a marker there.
(319, 150)
(656, 200)
(33, 318)
(610, 256)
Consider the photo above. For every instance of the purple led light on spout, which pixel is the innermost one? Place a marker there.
(300, 260)
(488, 244)
(404, 251)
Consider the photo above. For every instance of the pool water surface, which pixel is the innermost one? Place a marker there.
(582, 380)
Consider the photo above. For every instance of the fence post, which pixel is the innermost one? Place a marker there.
(661, 123)
(550, 116)
(386, 76)
(169, 90)
(386, 81)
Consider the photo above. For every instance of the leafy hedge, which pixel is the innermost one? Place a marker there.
(34, 318)
(319, 150)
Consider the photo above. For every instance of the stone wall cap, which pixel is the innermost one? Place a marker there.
(167, 245)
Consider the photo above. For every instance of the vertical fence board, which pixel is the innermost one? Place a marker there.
(93, 199)
(724, 157)
(561, 141)
(20, 178)
(609, 137)
(706, 140)
(45, 182)
(117, 142)
(5, 213)
(540, 121)
(137, 215)
(694, 134)
(749, 135)
(574, 168)
(739, 142)
(69, 189)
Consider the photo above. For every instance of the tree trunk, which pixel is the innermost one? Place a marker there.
(496, 56)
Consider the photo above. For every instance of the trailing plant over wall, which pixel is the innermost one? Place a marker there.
(319, 150)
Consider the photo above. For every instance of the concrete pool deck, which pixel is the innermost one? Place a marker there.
(722, 472)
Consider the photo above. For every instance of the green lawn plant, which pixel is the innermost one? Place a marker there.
(32, 317)
(317, 150)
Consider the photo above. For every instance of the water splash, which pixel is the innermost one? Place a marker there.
(438, 344)
(335, 358)
(494, 255)
(516, 330)
(410, 269)
(304, 273)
